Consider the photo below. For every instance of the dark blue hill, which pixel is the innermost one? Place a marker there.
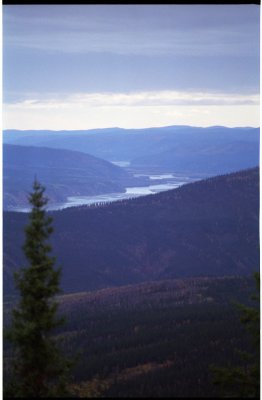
(206, 228)
(65, 173)
(212, 159)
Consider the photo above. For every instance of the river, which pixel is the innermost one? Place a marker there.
(160, 183)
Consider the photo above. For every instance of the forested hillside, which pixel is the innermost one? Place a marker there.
(209, 158)
(152, 339)
(64, 172)
(206, 228)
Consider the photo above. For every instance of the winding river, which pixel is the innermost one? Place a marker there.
(160, 182)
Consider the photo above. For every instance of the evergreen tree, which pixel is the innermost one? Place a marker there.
(39, 369)
(244, 381)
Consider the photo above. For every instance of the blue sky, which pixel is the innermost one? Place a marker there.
(94, 66)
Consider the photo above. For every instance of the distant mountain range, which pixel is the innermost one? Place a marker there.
(198, 158)
(206, 228)
(213, 150)
(63, 172)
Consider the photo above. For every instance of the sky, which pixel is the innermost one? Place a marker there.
(130, 66)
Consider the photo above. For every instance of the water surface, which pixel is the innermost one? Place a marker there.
(170, 181)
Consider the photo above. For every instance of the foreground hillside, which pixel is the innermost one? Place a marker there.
(152, 339)
(65, 173)
(206, 228)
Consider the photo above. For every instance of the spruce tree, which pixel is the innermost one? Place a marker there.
(39, 368)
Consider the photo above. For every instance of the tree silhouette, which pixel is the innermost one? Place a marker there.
(39, 370)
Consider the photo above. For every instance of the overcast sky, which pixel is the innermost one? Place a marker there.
(95, 66)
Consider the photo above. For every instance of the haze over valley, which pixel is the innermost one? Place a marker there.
(197, 212)
(119, 163)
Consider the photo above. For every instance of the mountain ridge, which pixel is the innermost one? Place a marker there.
(205, 228)
(65, 173)
(115, 144)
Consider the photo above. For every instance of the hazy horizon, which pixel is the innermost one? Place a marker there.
(148, 127)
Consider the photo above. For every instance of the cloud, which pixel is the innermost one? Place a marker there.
(130, 117)
(132, 110)
(136, 99)
(182, 31)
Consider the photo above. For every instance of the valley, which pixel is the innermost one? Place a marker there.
(155, 184)
(205, 228)
(65, 173)
(157, 243)
(105, 165)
